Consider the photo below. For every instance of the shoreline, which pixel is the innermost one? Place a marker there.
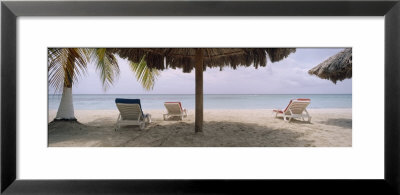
(222, 128)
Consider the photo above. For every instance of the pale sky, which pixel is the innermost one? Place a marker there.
(288, 76)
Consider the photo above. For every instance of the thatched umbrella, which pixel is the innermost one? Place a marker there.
(335, 68)
(201, 58)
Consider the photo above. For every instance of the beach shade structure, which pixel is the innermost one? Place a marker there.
(336, 68)
(199, 59)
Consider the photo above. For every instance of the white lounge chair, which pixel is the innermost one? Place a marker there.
(174, 109)
(295, 109)
(130, 113)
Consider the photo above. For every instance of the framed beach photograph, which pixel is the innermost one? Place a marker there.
(199, 97)
(235, 108)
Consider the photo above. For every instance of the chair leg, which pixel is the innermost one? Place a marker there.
(308, 116)
(142, 125)
(117, 125)
(275, 113)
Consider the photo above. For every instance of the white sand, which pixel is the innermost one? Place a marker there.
(228, 128)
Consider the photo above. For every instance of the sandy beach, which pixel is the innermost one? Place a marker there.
(222, 128)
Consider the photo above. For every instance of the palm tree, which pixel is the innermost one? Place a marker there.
(66, 65)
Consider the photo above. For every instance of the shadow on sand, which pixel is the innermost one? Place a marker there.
(177, 134)
(339, 122)
(173, 118)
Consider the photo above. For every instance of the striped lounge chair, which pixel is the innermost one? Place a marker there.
(174, 109)
(295, 109)
(130, 113)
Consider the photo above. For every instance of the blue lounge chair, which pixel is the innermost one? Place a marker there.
(130, 113)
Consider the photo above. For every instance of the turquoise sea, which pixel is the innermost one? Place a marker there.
(211, 101)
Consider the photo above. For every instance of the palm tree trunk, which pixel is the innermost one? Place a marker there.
(198, 127)
(66, 108)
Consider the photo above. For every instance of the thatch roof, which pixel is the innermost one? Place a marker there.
(335, 68)
(213, 57)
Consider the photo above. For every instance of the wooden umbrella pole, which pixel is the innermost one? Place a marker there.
(199, 91)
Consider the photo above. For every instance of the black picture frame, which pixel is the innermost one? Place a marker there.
(10, 10)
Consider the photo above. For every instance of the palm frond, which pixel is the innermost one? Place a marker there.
(106, 65)
(66, 65)
(145, 75)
